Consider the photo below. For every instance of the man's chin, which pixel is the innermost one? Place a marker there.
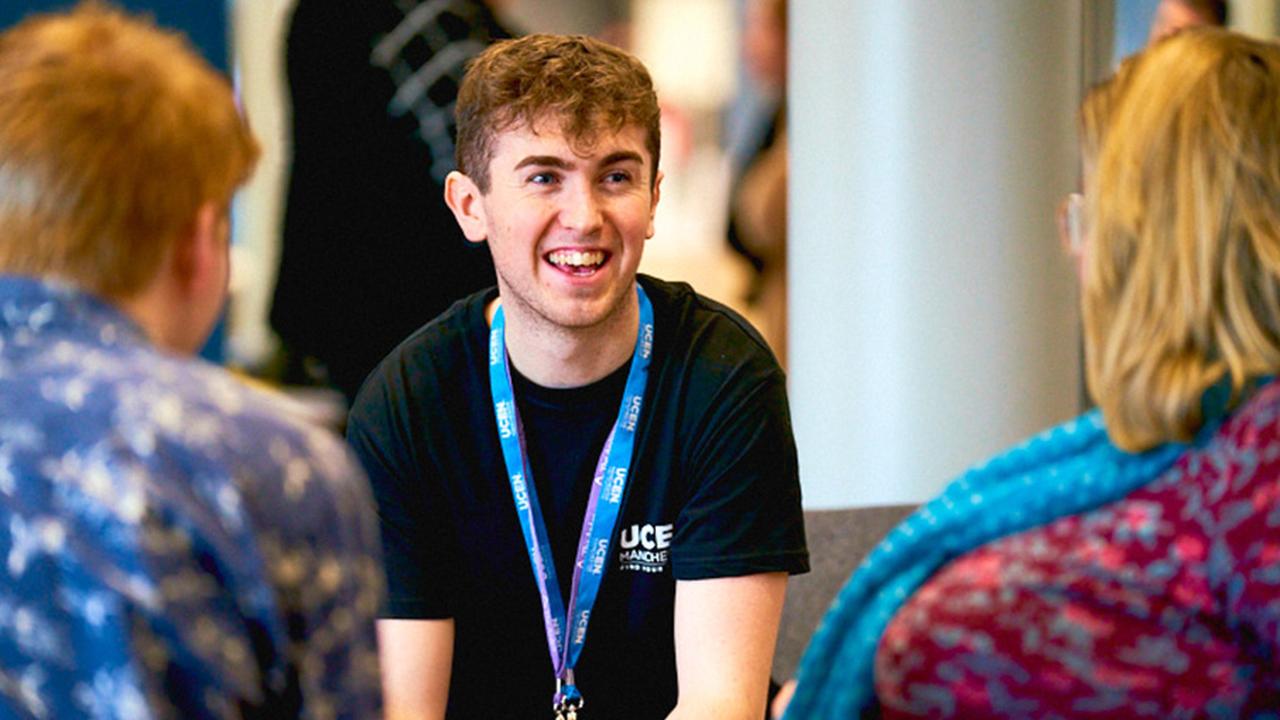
(588, 314)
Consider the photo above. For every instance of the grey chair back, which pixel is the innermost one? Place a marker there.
(838, 541)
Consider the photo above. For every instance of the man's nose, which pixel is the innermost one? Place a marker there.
(580, 209)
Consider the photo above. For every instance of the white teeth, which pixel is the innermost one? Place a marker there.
(576, 258)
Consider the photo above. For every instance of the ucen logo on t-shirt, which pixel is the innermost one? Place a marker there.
(645, 548)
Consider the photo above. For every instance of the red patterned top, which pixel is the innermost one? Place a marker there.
(1163, 605)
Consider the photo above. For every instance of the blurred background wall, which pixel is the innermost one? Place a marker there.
(932, 314)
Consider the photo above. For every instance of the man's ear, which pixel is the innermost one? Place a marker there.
(653, 203)
(464, 198)
(199, 254)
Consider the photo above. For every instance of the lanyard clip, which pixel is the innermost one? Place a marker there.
(567, 700)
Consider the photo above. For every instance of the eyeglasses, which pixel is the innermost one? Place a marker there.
(1073, 221)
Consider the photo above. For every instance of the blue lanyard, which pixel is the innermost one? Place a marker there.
(565, 639)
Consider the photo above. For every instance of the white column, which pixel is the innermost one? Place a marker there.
(1256, 17)
(933, 314)
(258, 29)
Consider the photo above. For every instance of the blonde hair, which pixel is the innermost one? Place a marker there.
(1095, 112)
(112, 134)
(1182, 275)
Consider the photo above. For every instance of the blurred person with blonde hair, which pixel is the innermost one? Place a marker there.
(1123, 564)
(175, 543)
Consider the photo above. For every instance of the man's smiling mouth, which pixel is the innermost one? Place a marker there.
(577, 262)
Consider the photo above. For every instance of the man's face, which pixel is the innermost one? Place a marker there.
(566, 224)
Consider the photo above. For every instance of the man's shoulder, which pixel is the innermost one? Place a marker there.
(141, 391)
(445, 336)
(229, 425)
(177, 433)
(177, 475)
(700, 330)
(440, 356)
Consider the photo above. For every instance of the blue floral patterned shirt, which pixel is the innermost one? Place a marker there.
(173, 543)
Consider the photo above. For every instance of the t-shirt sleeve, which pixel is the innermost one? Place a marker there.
(743, 513)
(416, 542)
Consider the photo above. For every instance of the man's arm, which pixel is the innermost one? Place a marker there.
(725, 630)
(416, 658)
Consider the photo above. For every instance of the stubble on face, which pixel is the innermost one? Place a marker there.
(567, 223)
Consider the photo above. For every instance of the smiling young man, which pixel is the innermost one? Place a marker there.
(586, 479)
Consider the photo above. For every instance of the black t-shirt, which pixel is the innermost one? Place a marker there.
(713, 492)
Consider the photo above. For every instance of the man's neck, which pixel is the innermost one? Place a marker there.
(559, 357)
(156, 313)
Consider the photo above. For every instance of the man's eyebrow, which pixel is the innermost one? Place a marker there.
(555, 161)
(544, 161)
(622, 156)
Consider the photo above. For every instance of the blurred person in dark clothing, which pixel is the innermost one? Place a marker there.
(758, 206)
(370, 251)
(1174, 15)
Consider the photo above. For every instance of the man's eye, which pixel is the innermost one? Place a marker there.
(618, 177)
(542, 178)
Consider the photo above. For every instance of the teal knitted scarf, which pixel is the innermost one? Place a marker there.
(1063, 471)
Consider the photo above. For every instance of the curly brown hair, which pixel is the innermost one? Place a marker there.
(587, 85)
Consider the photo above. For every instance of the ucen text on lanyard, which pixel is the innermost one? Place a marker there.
(564, 638)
